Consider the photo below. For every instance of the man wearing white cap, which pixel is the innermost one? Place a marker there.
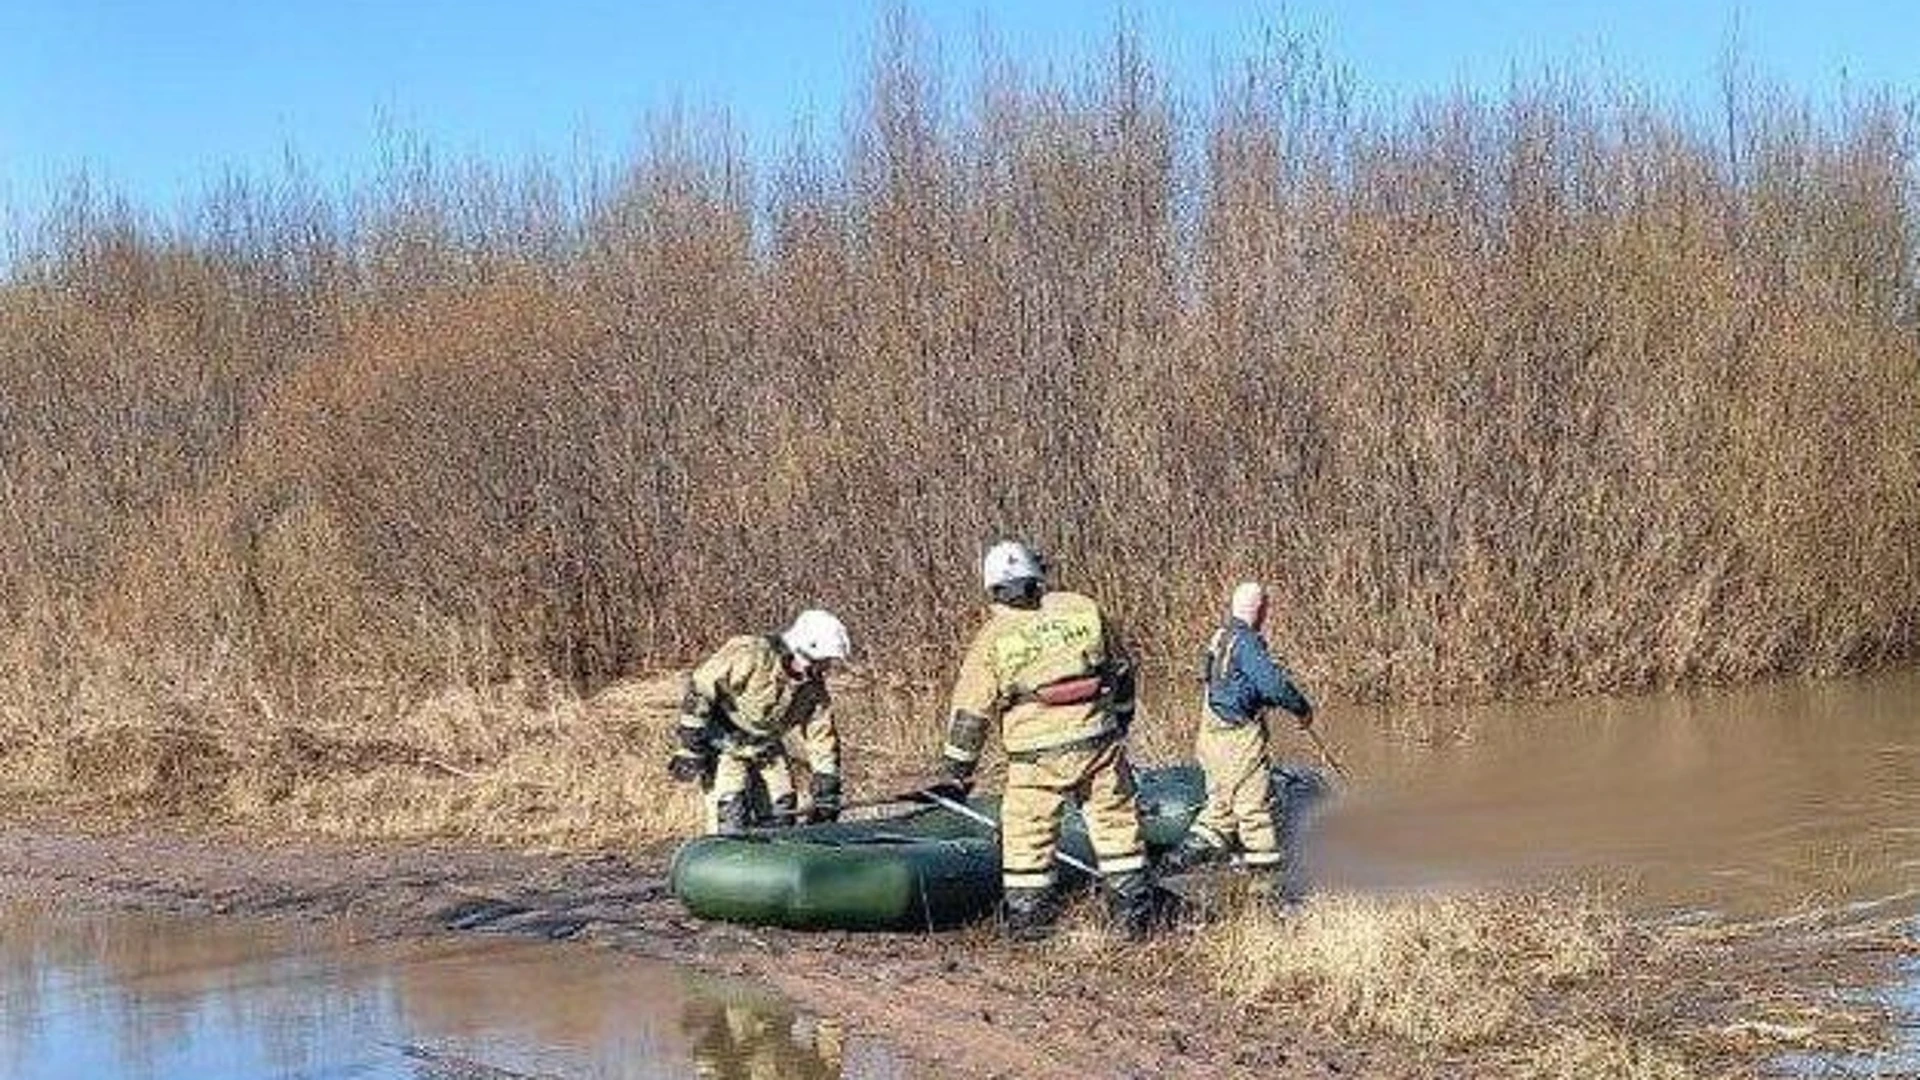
(1242, 681)
(740, 704)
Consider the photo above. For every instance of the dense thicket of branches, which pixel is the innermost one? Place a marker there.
(1556, 392)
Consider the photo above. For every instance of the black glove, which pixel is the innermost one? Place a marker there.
(826, 797)
(955, 782)
(949, 790)
(694, 758)
(689, 768)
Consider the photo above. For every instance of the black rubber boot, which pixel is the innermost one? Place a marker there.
(1028, 914)
(1264, 888)
(1131, 903)
(734, 815)
(1192, 854)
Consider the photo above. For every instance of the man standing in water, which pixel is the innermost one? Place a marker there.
(1242, 682)
(739, 705)
(1051, 670)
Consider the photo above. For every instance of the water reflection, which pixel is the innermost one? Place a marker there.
(742, 1035)
(160, 998)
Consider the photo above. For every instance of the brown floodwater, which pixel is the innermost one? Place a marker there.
(1761, 801)
(167, 998)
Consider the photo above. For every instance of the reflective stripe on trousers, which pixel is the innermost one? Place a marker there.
(1100, 780)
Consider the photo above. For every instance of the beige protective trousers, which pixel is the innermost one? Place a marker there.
(764, 779)
(1239, 790)
(1100, 780)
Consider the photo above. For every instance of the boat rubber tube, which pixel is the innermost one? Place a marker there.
(926, 869)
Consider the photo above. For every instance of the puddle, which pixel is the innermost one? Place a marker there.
(172, 998)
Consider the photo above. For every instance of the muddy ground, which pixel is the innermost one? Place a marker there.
(959, 1004)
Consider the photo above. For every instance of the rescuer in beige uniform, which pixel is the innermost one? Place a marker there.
(740, 704)
(1050, 669)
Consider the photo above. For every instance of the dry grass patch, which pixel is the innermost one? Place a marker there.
(1580, 1054)
(1437, 971)
(524, 762)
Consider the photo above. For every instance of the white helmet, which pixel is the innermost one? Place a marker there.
(1009, 561)
(817, 635)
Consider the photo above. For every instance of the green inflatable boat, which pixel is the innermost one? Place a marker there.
(927, 869)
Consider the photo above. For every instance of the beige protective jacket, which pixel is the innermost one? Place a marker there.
(1019, 653)
(745, 701)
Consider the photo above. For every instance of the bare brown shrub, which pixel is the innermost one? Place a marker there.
(1539, 395)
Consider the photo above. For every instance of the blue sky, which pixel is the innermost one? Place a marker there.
(158, 97)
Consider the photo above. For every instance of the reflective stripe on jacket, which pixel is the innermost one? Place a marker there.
(1021, 650)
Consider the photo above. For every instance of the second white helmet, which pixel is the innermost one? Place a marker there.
(818, 635)
(1009, 561)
